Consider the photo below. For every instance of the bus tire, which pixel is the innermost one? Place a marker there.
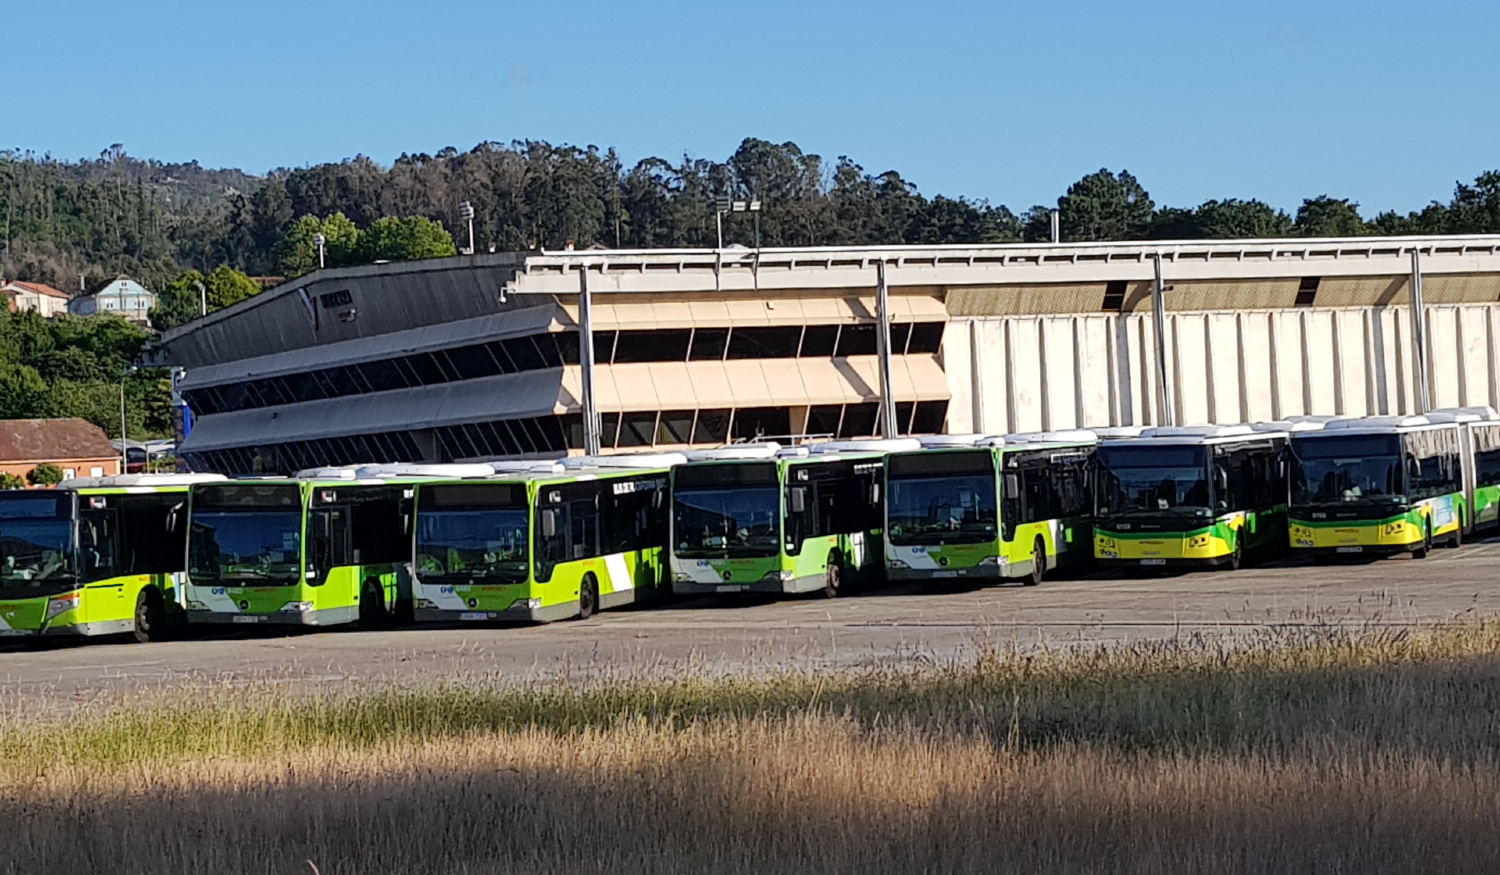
(150, 616)
(834, 576)
(1038, 564)
(1420, 552)
(588, 597)
(1458, 535)
(1237, 555)
(371, 605)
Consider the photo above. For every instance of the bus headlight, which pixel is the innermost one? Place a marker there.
(896, 563)
(195, 605)
(784, 576)
(679, 577)
(426, 604)
(62, 603)
(990, 560)
(297, 607)
(526, 604)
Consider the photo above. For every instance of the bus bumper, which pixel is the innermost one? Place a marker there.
(89, 630)
(1207, 562)
(520, 611)
(773, 585)
(324, 617)
(1354, 551)
(980, 573)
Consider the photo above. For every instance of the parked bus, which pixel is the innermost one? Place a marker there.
(96, 556)
(758, 518)
(1204, 495)
(321, 549)
(1009, 508)
(1394, 484)
(542, 541)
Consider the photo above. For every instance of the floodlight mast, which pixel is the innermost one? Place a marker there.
(466, 212)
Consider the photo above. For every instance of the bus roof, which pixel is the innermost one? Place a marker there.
(140, 482)
(1199, 435)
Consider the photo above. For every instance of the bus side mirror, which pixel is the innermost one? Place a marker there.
(1012, 487)
(1221, 478)
(1413, 470)
(172, 517)
(549, 523)
(797, 498)
(874, 493)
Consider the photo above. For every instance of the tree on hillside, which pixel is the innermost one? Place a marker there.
(1323, 216)
(1106, 206)
(1476, 208)
(409, 239)
(297, 254)
(182, 302)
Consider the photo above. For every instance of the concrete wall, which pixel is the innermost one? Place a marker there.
(1037, 372)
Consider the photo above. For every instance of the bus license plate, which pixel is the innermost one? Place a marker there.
(739, 587)
(245, 618)
(1153, 562)
(1351, 549)
(945, 574)
(474, 615)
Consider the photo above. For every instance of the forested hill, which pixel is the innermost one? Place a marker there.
(155, 221)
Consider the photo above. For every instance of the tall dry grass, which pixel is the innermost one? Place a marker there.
(1306, 752)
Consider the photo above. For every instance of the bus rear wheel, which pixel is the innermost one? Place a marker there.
(1236, 556)
(833, 577)
(150, 616)
(588, 597)
(1038, 565)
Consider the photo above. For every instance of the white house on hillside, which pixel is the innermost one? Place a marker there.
(40, 297)
(121, 295)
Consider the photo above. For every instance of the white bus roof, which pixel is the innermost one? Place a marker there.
(1290, 425)
(526, 466)
(871, 445)
(1383, 423)
(120, 481)
(1465, 414)
(446, 471)
(1065, 436)
(625, 460)
(738, 452)
(943, 441)
(1117, 432)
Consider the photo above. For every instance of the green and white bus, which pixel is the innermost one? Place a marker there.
(321, 549)
(1394, 484)
(990, 509)
(95, 556)
(759, 518)
(542, 541)
(1191, 495)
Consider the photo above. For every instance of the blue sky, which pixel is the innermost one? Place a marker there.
(1384, 103)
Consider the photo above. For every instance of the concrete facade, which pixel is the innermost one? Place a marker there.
(478, 355)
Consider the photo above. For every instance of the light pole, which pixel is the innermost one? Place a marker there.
(124, 442)
(202, 299)
(752, 206)
(320, 241)
(466, 212)
(722, 205)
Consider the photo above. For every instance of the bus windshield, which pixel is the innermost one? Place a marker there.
(726, 510)
(1145, 479)
(473, 545)
(245, 547)
(1345, 470)
(955, 509)
(36, 544)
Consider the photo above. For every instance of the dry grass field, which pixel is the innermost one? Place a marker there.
(1305, 752)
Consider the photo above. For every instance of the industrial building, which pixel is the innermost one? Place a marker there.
(483, 356)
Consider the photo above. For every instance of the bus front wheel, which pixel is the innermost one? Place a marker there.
(833, 577)
(150, 616)
(1420, 552)
(588, 597)
(1038, 565)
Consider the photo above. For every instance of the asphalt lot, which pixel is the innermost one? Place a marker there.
(709, 635)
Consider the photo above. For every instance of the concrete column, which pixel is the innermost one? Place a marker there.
(590, 409)
(1165, 407)
(888, 427)
(1419, 358)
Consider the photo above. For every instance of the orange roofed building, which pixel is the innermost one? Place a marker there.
(78, 447)
(34, 296)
